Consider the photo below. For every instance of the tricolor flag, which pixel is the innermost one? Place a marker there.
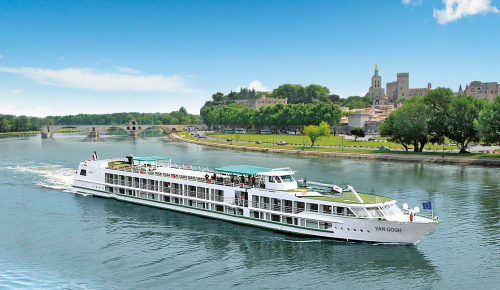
(427, 205)
(94, 157)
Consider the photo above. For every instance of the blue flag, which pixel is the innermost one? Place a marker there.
(427, 205)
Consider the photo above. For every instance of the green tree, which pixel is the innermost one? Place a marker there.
(438, 101)
(489, 122)
(357, 132)
(316, 132)
(462, 114)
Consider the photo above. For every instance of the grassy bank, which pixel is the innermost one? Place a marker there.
(19, 133)
(330, 149)
(330, 141)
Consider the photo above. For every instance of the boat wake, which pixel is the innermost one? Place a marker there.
(55, 176)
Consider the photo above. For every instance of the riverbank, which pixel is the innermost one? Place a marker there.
(19, 133)
(445, 159)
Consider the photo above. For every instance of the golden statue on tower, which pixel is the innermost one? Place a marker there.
(375, 65)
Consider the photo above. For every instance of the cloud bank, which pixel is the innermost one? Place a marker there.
(90, 79)
(257, 85)
(127, 70)
(456, 9)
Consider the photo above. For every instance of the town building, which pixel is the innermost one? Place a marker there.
(263, 101)
(394, 91)
(481, 90)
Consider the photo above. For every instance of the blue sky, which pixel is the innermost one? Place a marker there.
(70, 57)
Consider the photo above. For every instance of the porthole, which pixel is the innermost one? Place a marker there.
(361, 230)
(348, 229)
(341, 228)
(354, 229)
(368, 231)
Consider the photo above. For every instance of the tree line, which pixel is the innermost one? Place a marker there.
(296, 94)
(10, 123)
(439, 115)
(277, 116)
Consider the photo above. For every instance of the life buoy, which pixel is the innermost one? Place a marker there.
(304, 193)
(411, 216)
(142, 171)
(112, 158)
(187, 166)
(113, 168)
(173, 175)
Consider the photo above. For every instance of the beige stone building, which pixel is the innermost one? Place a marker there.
(481, 90)
(262, 102)
(394, 91)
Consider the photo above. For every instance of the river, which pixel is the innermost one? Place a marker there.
(51, 238)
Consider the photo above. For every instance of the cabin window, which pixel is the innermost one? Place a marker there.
(143, 195)
(264, 201)
(287, 178)
(152, 196)
(254, 214)
(349, 212)
(312, 224)
(255, 201)
(278, 179)
(192, 191)
(177, 200)
(360, 212)
(326, 209)
(219, 208)
(302, 222)
(191, 203)
(325, 226)
(340, 210)
(200, 204)
(239, 211)
(299, 207)
(276, 204)
(275, 218)
(271, 178)
(288, 220)
(219, 195)
(375, 212)
(312, 207)
(200, 193)
(166, 198)
(287, 206)
(83, 172)
(230, 210)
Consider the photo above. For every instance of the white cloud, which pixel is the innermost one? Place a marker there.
(127, 70)
(61, 58)
(456, 9)
(90, 79)
(16, 91)
(257, 85)
(1, 56)
(414, 2)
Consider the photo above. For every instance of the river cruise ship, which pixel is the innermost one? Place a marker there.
(255, 196)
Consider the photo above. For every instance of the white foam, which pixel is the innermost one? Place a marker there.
(56, 176)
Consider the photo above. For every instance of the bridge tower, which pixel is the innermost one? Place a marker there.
(133, 129)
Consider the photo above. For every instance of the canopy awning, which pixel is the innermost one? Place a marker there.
(243, 169)
(151, 158)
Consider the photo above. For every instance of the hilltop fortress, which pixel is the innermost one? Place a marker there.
(400, 89)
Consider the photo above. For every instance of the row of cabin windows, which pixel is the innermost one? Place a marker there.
(313, 224)
(176, 200)
(289, 206)
(166, 187)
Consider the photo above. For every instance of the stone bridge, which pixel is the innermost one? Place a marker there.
(131, 129)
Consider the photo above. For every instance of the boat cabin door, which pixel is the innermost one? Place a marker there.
(241, 198)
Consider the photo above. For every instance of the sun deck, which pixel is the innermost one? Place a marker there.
(227, 176)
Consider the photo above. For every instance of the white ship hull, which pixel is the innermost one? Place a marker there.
(339, 227)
